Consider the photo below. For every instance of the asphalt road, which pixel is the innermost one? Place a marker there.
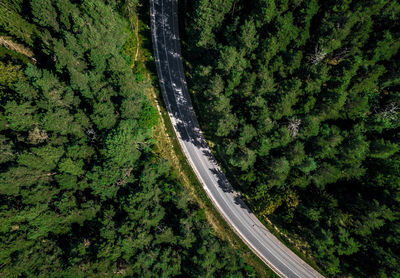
(166, 44)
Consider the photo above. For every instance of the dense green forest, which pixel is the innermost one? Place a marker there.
(301, 101)
(82, 191)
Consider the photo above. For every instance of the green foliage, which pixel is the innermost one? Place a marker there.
(302, 100)
(149, 116)
(307, 166)
(82, 194)
(130, 46)
(9, 74)
(382, 149)
(209, 17)
(123, 146)
(72, 167)
(15, 23)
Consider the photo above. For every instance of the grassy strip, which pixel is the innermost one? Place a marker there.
(167, 146)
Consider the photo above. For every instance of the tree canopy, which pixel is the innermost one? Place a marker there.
(302, 101)
(82, 192)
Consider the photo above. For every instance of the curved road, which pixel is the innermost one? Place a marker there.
(166, 44)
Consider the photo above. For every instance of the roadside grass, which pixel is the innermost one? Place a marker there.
(168, 147)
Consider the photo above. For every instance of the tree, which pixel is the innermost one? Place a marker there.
(381, 149)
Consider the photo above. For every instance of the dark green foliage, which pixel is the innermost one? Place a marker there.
(82, 194)
(302, 101)
(14, 23)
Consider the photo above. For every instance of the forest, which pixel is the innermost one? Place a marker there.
(300, 102)
(82, 191)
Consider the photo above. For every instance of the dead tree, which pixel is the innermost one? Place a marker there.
(318, 55)
(390, 111)
(293, 126)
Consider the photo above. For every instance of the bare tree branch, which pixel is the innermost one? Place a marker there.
(293, 126)
(318, 55)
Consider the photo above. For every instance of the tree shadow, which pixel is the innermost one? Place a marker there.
(209, 155)
(172, 80)
(227, 188)
(222, 181)
(240, 202)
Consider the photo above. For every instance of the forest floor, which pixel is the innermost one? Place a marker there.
(167, 146)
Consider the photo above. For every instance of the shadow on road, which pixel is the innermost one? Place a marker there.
(189, 134)
(210, 156)
(239, 201)
(222, 181)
